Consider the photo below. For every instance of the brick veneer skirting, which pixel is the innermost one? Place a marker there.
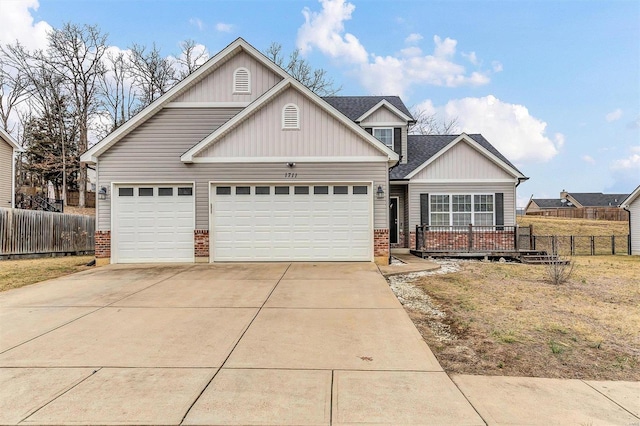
(400, 243)
(412, 240)
(380, 242)
(201, 242)
(103, 244)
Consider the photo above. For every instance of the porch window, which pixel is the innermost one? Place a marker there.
(384, 135)
(461, 210)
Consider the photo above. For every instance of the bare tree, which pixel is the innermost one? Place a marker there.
(119, 97)
(152, 73)
(299, 68)
(75, 53)
(12, 91)
(191, 57)
(431, 124)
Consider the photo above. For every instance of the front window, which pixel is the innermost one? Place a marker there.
(461, 210)
(384, 135)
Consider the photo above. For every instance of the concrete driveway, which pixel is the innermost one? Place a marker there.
(252, 344)
(276, 343)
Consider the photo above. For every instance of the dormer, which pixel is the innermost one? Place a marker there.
(385, 117)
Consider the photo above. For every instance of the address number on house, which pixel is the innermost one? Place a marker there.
(290, 175)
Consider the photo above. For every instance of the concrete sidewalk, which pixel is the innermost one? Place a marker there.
(276, 343)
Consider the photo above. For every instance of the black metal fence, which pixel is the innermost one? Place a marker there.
(582, 245)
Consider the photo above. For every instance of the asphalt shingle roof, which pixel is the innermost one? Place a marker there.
(598, 199)
(354, 106)
(551, 203)
(422, 147)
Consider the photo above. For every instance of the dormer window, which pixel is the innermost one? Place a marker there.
(384, 135)
(241, 81)
(290, 117)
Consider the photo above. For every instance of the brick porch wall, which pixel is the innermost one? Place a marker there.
(380, 242)
(412, 240)
(103, 244)
(201, 242)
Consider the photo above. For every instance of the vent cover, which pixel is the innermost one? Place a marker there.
(241, 81)
(290, 117)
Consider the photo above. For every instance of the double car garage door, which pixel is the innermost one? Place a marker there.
(248, 222)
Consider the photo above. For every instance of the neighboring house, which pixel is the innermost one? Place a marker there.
(632, 205)
(8, 150)
(587, 205)
(241, 162)
(547, 204)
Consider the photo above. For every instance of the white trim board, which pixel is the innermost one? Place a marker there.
(388, 105)
(258, 160)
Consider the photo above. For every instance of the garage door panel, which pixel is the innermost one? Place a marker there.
(156, 228)
(272, 227)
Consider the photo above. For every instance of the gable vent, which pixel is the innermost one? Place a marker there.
(290, 117)
(241, 81)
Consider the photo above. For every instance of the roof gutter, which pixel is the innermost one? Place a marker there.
(522, 179)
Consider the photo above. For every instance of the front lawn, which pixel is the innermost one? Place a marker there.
(18, 273)
(506, 319)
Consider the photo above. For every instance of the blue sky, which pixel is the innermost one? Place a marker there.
(555, 85)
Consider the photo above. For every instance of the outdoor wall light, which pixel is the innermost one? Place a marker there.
(291, 165)
(102, 194)
(380, 193)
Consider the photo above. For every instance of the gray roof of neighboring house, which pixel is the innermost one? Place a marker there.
(598, 199)
(422, 147)
(354, 106)
(551, 203)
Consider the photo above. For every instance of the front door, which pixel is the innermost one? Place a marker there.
(393, 220)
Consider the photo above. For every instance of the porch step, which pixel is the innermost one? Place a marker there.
(542, 259)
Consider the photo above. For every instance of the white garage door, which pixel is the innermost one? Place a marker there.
(153, 223)
(303, 222)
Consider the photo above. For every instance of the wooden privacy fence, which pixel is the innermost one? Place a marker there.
(32, 232)
(596, 213)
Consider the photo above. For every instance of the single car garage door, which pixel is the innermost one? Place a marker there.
(153, 223)
(281, 222)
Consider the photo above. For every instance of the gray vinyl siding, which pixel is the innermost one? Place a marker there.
(508, 189)
(634, 212)
(6, 173)
(218, 86)
(320, 134)
(462, 162)
(151, 153)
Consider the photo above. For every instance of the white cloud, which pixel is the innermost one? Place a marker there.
(613, 115)
(497, 66)
(626, 172)
(223, 27)
(631, 163)
(391, 74)
(588, 159)
(413, 38)
(16, 23)
(471, 57)
(196, 22)
(509, 127)
(635, 148)
(325, 29)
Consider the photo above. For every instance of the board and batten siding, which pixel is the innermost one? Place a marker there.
(218, 86)
(634, 214)
(151, 154)
(320, 134)
(6, 173)
(507, 188)
(462, 162)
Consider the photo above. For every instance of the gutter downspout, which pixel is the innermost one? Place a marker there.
(628, 235)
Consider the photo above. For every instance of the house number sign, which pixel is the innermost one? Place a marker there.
(290, 175)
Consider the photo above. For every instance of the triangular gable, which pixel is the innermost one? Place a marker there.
(387, 105)
(202, 151)
(10, 140)
(239, 45)
(630, 199)
(466, 139)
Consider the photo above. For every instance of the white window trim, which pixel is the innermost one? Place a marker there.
(472, 212)
(393, 142)
(235, 83)
(284, 109)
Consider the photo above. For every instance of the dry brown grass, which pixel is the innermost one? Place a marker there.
(507, 320)
(87, 211)
(18, 273)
